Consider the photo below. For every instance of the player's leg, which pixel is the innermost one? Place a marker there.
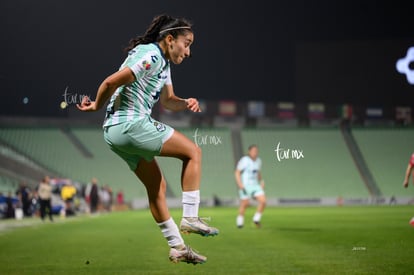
(244, 203)
(49, 209)
(42, 209)
(261, 204)
(179, 146)
(150, 175)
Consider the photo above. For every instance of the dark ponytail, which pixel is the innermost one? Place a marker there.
(155, 32)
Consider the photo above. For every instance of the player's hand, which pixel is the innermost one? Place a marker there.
(405, 183)
(86, 105)
(192, 104)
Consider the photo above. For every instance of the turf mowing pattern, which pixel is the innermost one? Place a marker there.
(292, 240)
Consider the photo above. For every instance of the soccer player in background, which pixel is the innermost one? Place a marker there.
(131, 132)
(408, 173)
(251, 185)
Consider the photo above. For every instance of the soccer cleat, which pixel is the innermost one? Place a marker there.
(186, 255)
(197, 226)
(412, 222)
(258, 224)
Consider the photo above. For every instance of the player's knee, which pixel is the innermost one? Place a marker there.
(196, 153)
(262, 200)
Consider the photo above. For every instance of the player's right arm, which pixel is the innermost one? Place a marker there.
(237, 175)
(107, 89)
(241, 165)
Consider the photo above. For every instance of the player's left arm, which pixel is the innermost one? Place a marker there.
(408, 173)
(174, 103)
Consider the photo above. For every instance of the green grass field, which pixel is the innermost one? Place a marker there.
(293, 240)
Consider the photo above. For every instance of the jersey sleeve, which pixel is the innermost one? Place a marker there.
(412, 160)
(142, 65)
(241, 165)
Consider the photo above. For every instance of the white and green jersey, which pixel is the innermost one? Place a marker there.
(135, 100)
(249, 170)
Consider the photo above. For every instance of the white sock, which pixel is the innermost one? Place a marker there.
(257, 216)
(240, 220)
(191, 202)
(170, 231)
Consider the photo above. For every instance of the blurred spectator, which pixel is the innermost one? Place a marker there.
(105, 198)
(68, 193)
(85, 189)
(111, 196)
(3, 207)
(216, 200)
(23, 193)
(9, 206)
(35, 204)
(94, 195)
(45, 198)
(86, 193)
(120, 197)
(393, 200)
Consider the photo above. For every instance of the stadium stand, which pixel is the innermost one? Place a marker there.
(326, 168)
(387, 152)
(52, 149)
(47, 146)
(310, 162)
(8, 184)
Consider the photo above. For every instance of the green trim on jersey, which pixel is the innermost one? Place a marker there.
(136, 100)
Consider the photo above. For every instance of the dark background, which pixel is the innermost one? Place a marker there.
(300, 51)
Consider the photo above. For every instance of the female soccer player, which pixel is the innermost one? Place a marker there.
(251, 185)
(408, 172)
(131, 132)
